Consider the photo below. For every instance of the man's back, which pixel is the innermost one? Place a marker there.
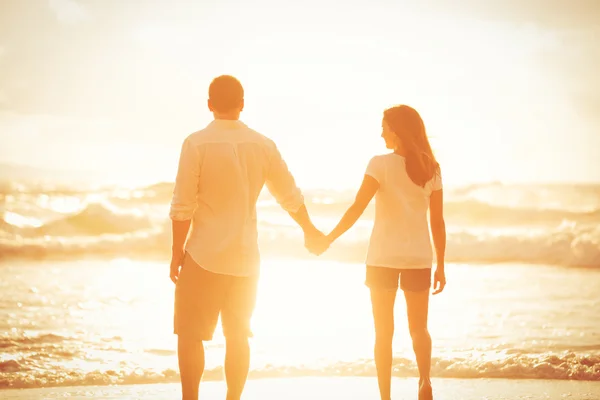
(222, 171)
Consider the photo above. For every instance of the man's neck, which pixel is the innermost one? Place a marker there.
(227, 117)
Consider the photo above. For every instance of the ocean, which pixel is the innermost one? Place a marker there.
(85, 297)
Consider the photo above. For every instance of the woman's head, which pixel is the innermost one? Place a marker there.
(403, 129)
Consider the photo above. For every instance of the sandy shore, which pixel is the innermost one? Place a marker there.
(332, 388)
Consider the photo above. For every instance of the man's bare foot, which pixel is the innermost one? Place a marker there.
(425, 390)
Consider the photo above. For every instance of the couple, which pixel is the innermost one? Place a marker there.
(215, 264)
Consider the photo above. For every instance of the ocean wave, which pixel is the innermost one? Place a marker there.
(134, 223)
(132, 215)
(97, 219)
(559, 197)
(566, 366)
(567, 245)
(154, 243)
(94, 219)
(28, 341)
(480, 213)
(575, 198)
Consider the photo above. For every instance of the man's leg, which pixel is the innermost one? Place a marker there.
(236, 315)
(191, 366)
(237, 364)
(198, 300)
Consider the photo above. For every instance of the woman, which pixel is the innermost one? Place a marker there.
(406, 184)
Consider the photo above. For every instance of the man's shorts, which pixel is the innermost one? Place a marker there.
(201, 295)
(411, 280)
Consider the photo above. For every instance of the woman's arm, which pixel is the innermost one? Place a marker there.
(366, 192)
(438, 231)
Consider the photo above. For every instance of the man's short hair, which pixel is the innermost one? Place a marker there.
(225, 93)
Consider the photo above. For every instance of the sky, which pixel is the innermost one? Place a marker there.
(508, 90)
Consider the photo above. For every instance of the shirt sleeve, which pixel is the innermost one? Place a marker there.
(185, 194)
(281, 183)
(375, 169)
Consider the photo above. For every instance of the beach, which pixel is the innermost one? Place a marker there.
(86, 303)
(333, 388)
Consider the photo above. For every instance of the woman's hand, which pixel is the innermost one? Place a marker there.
(439, 280)
(317, 244)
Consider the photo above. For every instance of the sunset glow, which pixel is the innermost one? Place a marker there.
(490, 88)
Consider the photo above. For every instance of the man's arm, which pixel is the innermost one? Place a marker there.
(184, 203)
(282, 186)
(180, 233)
(303, 220)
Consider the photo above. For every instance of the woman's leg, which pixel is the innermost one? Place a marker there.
(417, 308)
(382, 301)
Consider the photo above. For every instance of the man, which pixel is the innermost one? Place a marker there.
(222, 170)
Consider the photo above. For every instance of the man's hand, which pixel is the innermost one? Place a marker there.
(176, 262)
(180, 233)
(439, 280)
(316, 242)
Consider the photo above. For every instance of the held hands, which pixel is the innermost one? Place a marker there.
(316, 242)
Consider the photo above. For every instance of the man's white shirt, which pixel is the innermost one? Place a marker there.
(222, 170)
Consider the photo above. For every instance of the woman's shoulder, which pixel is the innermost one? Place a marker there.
(386, 157)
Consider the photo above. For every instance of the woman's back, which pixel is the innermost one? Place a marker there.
(400, 237)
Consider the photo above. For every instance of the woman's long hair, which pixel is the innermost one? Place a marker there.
(407, 124)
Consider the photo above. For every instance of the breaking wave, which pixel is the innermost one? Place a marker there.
(567, 366)
(568, 245)
(557, 225)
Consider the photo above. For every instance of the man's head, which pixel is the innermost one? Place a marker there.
(226, 97)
